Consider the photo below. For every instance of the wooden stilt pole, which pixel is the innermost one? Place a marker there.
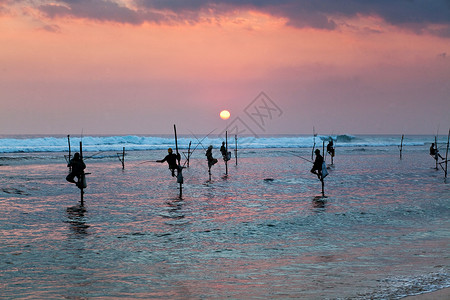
(314, 145)
(436, 155)
(68, 141)
(189, 154)
(123, 158)
(70, 153)
(401, 146)
(179, 171)
(323, 151)
(81, 179)
(235, 148)
(323, 187)
(446, 154)
(226, 152)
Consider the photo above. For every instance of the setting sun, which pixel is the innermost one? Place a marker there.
(225, 114)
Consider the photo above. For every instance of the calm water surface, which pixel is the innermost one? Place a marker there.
(382, 232)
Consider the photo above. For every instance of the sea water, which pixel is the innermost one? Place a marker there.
(263, 231)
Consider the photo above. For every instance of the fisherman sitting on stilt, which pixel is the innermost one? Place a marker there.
(435, 152)
(226, 155)
(318, 163)
(211, 160)
(330, 148)
(171, 159)
(78, 166)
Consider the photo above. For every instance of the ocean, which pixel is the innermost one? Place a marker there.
(263, 231)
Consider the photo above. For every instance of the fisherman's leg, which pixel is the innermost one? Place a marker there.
(70, 178)
(78, 183)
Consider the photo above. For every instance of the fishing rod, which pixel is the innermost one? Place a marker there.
(200, 141)
(147, 161)
(293, 153)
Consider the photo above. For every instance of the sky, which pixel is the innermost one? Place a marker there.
(280, 67)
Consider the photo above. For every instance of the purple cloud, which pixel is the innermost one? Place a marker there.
(416, 15)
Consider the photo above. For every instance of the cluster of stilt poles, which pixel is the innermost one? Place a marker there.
(443, 164)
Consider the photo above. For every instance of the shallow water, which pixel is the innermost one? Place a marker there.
(381, 232)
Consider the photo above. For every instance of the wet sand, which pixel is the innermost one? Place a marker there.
(443, 294)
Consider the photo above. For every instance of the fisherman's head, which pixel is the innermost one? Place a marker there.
(223, 143)
(210, 147)
(317, 152)
(76, 156)
(169, 150)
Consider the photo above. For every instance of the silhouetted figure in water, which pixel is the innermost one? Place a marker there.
(211, 160)
(435, 152)
(78, 166)
(171, 159)
(330, 148)
(317, 167)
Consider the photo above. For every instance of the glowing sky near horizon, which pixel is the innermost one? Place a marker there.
(140, 66)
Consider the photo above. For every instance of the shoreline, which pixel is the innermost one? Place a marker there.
(441, 294)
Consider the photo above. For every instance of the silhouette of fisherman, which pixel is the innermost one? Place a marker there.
(211, 160)
(435, 152)
(330, 148)
(318, 162)
(171, 159)
(223, 150)
(78, 166)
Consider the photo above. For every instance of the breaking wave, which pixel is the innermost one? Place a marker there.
(28, 144)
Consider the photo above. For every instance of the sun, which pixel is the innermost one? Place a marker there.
(224, 114)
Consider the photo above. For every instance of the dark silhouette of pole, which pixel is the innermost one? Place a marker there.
(323, 186)
(401, 146)
(226, 152)
(235, 148)
(446, 154)
(436, 155)
(314, 145)
(68, 141)
(123, 158)
(179, 172)
(189, 153)
(82, 177)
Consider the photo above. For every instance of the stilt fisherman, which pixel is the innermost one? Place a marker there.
(171, 159)
(211, 160)
(318, 163)
(77, 166)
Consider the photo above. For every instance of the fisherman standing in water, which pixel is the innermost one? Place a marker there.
(77, 166)
(171, 159)
(435, 152)
(211, 160)
(317, 167)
